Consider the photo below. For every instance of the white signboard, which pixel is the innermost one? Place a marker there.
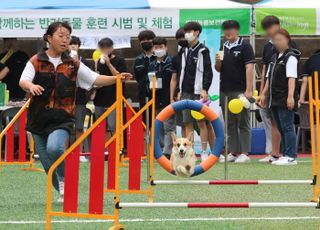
(119, 42)
(98, 23)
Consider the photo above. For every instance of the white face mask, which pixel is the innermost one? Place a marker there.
(189, 37)
(159, 52)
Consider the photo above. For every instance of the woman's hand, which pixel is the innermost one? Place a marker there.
(36, 90)
(125, 76)
(262, 101)
(290, 103)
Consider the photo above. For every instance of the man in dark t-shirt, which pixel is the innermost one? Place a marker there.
(111, 65)
(236, 77)
(311, 66)
(12, 64)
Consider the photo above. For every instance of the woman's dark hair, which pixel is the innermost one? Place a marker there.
(159, 41)
(105, 43)
(53, 27)
(75, 41)
(180, 33)
(269, 21)
(195, 26)
(230, 24)
(146, 35)
(284, 33)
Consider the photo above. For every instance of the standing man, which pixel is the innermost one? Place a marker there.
(162, 67)
(311, 66)
(106, 95)
(176, 68)
(12, 65)
(141, 64)
(81, 95)
(195, 80)
(271, 25)
(236, 74)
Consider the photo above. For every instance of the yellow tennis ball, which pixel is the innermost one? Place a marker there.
(96, 55)
(196, 115)
(235, 106)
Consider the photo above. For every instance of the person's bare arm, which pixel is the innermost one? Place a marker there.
(263, 78)
(264, 93)
(249, 79)
(4, 73)
(291, 88)
(103, 80)
(303, 89)
(29, 87)
(113, 70)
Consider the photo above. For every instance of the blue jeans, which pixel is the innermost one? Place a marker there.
(285, 122)
(50, 148)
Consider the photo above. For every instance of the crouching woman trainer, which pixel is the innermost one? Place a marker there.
(281, 87)
(51, 76)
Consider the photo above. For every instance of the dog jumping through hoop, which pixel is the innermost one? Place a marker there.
(183, 158)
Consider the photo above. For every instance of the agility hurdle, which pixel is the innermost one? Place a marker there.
(19, 120)
(216, 151)
(97, 166)
(314, 106)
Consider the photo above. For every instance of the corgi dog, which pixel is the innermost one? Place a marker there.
(183, 159)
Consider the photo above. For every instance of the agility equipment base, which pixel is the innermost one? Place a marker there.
(18, 124)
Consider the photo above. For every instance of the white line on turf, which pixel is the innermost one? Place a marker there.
(12, 222)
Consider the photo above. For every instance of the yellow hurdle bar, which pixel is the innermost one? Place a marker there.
(314, 132)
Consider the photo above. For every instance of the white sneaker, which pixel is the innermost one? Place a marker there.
(231, 158)
(83, 159)
(61, 192)
(243, 158)
(222, 158)
(204, 155)
(268, 159)
(36, 156)
(60, 199)
(285, 161)
(61, 188)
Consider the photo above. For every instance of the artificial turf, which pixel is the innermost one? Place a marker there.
(23, 198)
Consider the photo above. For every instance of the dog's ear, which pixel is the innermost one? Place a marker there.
(189, 136)
(174, 136)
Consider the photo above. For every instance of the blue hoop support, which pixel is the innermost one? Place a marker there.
(210, 115)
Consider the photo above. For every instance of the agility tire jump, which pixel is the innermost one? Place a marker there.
(217, 125)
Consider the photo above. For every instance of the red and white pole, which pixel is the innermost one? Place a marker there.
(220, 205)
(229, 182)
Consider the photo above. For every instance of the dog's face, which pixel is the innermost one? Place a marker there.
(181, 146)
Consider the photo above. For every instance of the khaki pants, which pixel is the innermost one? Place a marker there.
(239, 130)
